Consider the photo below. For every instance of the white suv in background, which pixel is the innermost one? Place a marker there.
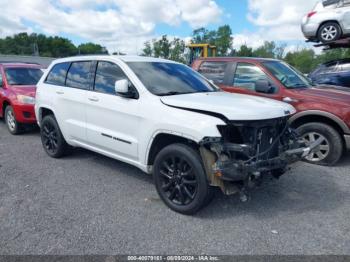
(328, 21)
(165, 119)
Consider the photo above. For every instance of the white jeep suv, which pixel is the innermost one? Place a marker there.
(168, 120)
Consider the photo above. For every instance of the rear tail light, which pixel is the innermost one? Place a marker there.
(311, 14)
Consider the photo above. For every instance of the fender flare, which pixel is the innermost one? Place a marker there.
(330, 116)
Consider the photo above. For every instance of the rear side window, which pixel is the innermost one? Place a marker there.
(214, 71)
(247, 75)
(106, 75)
(57, 75)
(79, 74)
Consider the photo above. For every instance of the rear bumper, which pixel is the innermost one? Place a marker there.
(347, 141)
(309, 30)
(24, 113)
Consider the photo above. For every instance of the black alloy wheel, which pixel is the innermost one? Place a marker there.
(52, 139)
(180, 179)
(179, 183)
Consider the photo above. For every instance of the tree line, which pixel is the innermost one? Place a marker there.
(304, 59)
(172, 48)
(49, 46)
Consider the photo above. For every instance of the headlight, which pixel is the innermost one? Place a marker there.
(26, 99)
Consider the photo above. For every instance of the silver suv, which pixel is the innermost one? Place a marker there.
(329, 21)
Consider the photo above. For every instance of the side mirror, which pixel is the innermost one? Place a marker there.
(263, 86)
(122, 88)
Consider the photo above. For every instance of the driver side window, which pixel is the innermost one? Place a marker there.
(1, 82)
(107, 74)
(247, 75)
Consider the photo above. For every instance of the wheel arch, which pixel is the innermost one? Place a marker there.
(5, 103)
(319, 116)
(163, 139)
(44, 111)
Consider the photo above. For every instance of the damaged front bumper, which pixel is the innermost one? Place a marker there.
(249, 150)
(240, 170)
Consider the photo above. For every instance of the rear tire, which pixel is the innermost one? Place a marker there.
(329, 32)
(13, 126)
(52, 139)
(331, 148)
(180, 179)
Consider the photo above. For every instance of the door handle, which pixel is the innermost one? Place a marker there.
(59, 92)
(93, 99)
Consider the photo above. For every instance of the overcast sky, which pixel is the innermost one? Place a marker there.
(124, 25)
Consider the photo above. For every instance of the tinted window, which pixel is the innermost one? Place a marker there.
(23, 76)
(57, 75)
(1, 83)
(78, 75)
(247, 75)
(214, 71)
(162, 78)
(106, 75)
(287, 75)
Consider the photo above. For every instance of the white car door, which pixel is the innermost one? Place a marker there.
(71, 101)
(345, 14)
(112, 121)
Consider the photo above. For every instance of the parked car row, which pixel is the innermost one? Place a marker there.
(175, 123)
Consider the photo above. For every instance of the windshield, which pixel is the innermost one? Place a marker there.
(162, 78)
(23, 76)
(287, 75)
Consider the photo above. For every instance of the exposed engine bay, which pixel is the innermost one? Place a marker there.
(250, 150)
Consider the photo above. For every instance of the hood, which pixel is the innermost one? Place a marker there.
(232, 106)
(327, 93)
(24, 90)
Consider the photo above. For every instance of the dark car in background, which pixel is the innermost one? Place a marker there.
(335, 72)
(17, 94)
(323, 111)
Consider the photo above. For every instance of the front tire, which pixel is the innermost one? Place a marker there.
(180, 179)
(12, 124)
(52, 139)
(331, 148)
(329, 32)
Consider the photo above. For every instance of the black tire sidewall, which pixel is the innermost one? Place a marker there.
(61, 143)
(203, 195)
(339, 33)
(333, 137)
(17, 129)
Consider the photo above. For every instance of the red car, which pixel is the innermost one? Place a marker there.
(323, 112)
(17, 94)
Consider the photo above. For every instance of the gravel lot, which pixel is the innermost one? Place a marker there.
(90, 204)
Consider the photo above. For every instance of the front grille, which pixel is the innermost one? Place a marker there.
(260, 135)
